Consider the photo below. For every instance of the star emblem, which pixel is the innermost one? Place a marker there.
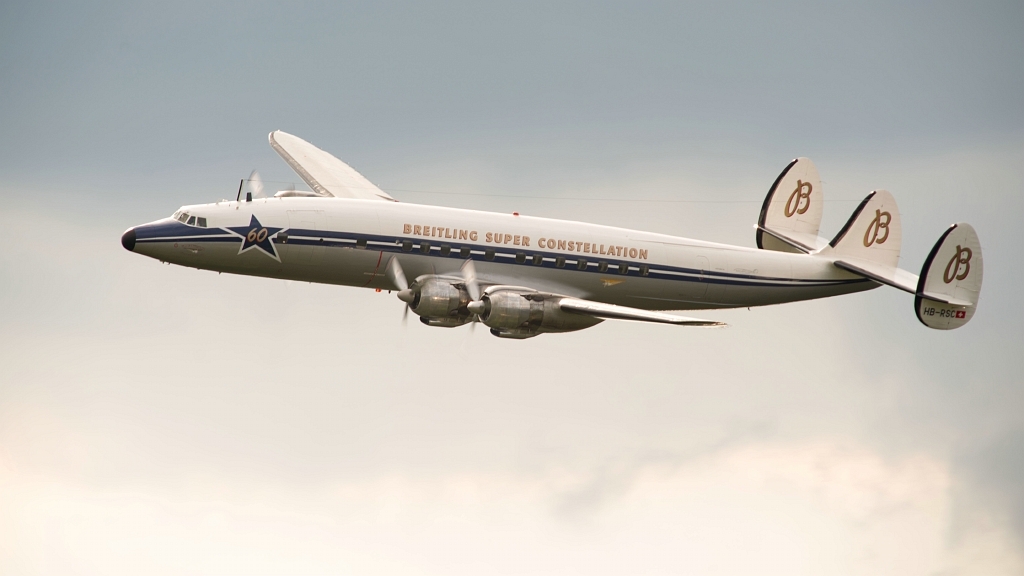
(256, 235)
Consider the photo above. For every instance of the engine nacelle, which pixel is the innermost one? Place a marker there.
(512, 314)
(441, 302)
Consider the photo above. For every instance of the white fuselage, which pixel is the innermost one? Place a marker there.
(350, 242)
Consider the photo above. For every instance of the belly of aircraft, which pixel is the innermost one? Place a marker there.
(664, 289)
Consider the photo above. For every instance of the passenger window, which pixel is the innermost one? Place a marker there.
(464, 252)
(425, 247)
(538, 259)
(602, 266)
(520, 257)
(201, 221)
(644, 270)
(361, 243)
(623, 268)
(407, 246)
(560, 262)
(581, 264)
(191, 220)
(489, 254)
(445, 250)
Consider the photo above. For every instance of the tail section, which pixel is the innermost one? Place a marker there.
(946, 293)
(950, 282)
(791, 213)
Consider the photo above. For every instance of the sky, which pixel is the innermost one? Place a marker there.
(160, 419)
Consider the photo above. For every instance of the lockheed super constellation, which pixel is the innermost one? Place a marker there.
(522, 276)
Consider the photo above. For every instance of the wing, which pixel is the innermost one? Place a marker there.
(324, 173)
(599, 310)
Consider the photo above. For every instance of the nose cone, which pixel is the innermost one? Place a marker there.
(128, 240)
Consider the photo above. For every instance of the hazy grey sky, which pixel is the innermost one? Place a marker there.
(163, 420)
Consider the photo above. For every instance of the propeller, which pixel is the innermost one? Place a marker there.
(469, 277)
(476, 305)
(395, 274)
(256, 185)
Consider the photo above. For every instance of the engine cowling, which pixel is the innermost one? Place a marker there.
(512, 314)
(440, 303)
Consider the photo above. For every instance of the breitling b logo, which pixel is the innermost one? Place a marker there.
(877, 226)
(961, 258)
(800, 200)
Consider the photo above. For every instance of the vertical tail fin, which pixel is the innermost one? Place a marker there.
(873, 234)
(791, 213)
(950, 281)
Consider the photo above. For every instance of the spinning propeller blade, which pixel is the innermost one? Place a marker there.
(256, 185)
(473, 287)
(395, 274)
(469, 276)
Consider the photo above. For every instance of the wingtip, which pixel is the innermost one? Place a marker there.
(709, 324)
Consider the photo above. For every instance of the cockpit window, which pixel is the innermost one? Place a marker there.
(188, 219)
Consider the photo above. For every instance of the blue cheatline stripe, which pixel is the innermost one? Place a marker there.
(393, 244)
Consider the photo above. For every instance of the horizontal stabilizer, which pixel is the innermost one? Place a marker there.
(945, 299)
(794, 244)
(894, 277)
(950, 282)
(324, 173)
(599, 310)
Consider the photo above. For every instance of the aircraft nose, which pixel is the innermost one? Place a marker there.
(128, 240)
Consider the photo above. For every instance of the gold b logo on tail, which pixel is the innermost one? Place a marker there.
(961, 258)
(880, 225)
(796, 203)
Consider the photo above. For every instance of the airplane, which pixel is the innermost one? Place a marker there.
(522, 276)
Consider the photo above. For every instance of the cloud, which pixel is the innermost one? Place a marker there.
(777, 508)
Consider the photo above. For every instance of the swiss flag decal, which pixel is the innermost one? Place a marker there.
(961, 313)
